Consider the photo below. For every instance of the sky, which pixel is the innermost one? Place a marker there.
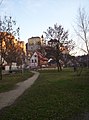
(35, 16)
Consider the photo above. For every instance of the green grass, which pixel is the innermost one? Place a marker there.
(53, 96)
(8, 81)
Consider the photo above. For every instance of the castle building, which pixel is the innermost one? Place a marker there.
(35, 43)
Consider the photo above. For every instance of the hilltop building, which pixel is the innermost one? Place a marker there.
(35, 43)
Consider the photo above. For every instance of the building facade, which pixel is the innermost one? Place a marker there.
(35, 43)
(37, 60)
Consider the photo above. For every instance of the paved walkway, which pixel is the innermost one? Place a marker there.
(8, 98)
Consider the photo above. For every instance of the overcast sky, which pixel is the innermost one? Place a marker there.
(35, 16)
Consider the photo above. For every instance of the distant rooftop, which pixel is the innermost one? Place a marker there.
(34, 37)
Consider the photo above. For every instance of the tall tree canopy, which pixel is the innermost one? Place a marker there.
(58, 39)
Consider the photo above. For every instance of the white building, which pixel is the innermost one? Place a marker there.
(33, 63)
(37, 60)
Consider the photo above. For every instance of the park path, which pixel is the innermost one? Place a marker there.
(8, 98)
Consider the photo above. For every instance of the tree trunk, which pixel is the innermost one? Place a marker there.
(1, 72)
(10, 68)
(59, 66)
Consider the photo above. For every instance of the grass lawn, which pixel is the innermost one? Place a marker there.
(53, 96)
(8, 81)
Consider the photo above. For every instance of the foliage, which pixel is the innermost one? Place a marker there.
(11, 50)
(58, 40)
(60, 35)
(8, 25)
(56, 33)
(64, 97)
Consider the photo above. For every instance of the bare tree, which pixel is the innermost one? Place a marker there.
(83, 30)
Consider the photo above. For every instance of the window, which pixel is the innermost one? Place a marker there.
(35, 55)
(35, 60)
(32, 60)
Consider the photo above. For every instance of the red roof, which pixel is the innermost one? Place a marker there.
(41, 57)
